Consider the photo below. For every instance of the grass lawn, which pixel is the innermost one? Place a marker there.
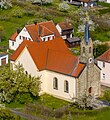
(10, 21)
(14, 105)
(52, 102)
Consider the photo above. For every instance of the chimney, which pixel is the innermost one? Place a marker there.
(35, 22)
(18, 30)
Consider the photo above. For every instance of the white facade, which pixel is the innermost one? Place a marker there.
(24, 34)
(47, 38)
(2, 57)
(107, 1)
(105, 72)
(47, 77)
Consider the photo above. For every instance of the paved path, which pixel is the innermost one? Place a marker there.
(98, 104)
(23, 115)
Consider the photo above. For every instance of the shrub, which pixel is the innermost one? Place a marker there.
(108, 34)
(106, 95)
(24, 98)
(17, 12)
(64, 7)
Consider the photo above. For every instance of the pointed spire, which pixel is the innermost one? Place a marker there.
(86, 32)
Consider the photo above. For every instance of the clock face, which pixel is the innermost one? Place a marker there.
(90, 60)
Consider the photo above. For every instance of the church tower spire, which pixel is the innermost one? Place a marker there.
(86, 53)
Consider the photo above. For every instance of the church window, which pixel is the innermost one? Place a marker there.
(26, 72)
(55, 83)
(66, 86)
(89, 49)
(83, 49)
(103, 76)
(90, 90)
(103, 64)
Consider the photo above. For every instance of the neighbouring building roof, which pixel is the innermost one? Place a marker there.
(73, 39)
(13, 37)
(105, 56)
(52, 55)
(39, 30)
(65, 25)
(2, 55)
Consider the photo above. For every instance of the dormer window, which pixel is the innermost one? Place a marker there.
(48, 38)
(43, 39)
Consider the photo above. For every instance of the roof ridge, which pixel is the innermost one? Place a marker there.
(74, 68)
(46, 28)
(45, 22)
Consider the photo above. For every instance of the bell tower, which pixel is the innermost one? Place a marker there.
(86, 54)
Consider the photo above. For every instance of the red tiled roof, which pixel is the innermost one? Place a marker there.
(13, 37)
(52, 55)
(65, 25)
(105, 56)
(42, 29)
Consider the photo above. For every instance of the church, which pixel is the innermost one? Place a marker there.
(63, 75)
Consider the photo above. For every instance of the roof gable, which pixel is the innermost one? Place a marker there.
(105, 56)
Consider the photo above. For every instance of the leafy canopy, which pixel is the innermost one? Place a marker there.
(17, 83)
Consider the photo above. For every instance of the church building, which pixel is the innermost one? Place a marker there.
(63, 75)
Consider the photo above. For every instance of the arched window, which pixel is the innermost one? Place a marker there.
(90, 90)
(89, 49)
(55, 83)
(83, 49)
(66, 86)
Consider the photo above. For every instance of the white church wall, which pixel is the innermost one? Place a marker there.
(50, 75)
(29, 66)
(46, 77)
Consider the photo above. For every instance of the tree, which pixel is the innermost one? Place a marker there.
(99, 49)
(14, 83)
(42, 1)
(64, 6)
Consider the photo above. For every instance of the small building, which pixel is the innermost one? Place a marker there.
(103, 62)
(85, 3)
(37, 32)
(74, 41)
(106, 1)
(65, 29)
(3, 59)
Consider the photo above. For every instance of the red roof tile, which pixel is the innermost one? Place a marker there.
(42, 29)
(52, 55)
(105, 56)
(13, 37)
